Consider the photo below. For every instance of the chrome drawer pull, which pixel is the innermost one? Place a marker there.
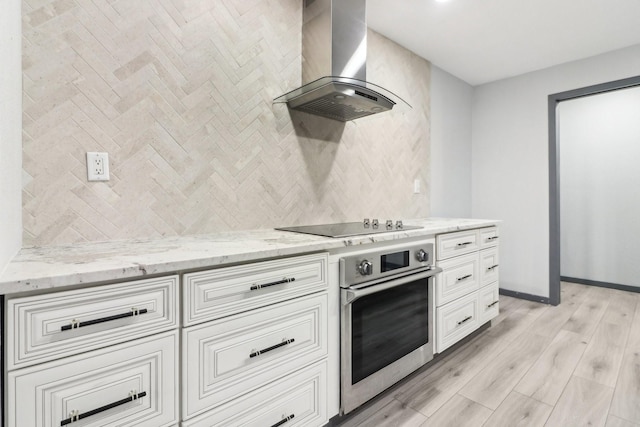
(77, 416)
(465, 319)
(279, 282)
(492, 304)
(273, 347)
(283, 420)
(75, 324)
(492, 267)
(464, 244)
(459, 279)
(492, 238)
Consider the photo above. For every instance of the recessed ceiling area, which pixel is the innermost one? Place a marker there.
(480, 41)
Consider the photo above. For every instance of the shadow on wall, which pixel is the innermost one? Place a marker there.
(316, 127)
(318, 138)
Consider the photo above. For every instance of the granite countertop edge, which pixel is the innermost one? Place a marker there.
(41, 268)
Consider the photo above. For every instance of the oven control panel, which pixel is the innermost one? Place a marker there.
(372, 265)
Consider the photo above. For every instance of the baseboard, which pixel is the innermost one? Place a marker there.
(522, 295)
(600, 284)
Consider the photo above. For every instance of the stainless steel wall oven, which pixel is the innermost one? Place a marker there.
(386, 318)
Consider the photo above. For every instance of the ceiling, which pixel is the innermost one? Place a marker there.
(480, 41)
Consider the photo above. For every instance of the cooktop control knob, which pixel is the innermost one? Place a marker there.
(365, 268)
(422, 255)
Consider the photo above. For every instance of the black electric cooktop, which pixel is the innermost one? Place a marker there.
(346, 229)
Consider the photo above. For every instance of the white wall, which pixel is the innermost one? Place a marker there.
(10, 131)
(599, 143)
(510, 159)
(450, 145)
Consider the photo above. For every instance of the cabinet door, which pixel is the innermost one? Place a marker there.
(488, 302)
(45, 327)
(489, 237)
(489, 266)
(456, 320)
(229, 357)
(458, 278)
(299, 399)
(225, 291)
(132, 384)
(458, 243)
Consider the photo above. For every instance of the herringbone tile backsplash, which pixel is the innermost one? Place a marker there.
(179, 93)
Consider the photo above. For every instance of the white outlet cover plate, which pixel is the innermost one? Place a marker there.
(97, 166)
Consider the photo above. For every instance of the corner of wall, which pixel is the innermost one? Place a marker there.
(451, 106)
(510, 158)
(10, 132)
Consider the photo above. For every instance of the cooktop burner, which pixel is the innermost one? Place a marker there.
(346, 229)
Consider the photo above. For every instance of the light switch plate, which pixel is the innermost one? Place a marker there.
(97, 166)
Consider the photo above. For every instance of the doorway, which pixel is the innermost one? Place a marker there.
(554, 172)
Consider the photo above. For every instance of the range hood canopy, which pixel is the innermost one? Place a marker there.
(334, 51)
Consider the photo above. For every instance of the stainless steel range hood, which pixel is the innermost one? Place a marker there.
(334, 60)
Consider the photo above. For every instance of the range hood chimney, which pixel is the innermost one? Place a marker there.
(334, 64)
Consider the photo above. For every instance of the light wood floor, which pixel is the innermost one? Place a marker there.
(577, 364)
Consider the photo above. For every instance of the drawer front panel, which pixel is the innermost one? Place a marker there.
(488, 302)
(458, 278)
(300, 397)
(489, 237)
(229, 357)
(45, 327)
(132, 384)
(459, 243)
(214, 294)
(489, 266)
(456, 320)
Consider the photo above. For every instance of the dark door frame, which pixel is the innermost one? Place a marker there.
(554, 167)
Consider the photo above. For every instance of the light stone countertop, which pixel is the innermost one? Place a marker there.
(56, 266)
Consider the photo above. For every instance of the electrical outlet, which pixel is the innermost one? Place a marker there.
(416, 186)
(97, 166)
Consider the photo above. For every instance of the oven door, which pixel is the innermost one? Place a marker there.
(387, 333)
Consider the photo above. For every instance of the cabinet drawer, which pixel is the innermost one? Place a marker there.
(301, 398)
(488, 303)
(458, 278)
(50, 326)
(489, 266)
(214, 294)
(458, 243)
(98, 387)
(456, 320)
(229, 357)
(489, 237)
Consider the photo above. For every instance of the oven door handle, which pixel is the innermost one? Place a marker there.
(354, 293)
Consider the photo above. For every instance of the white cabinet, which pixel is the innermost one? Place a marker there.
(458, 243)
(294, 401)
(221, 292)
(488, 302)
(253, 347)
(489, 266)
(98, 356)
(456, 320)
(460, 276)
(251, 335)
(50, 326)
(226, 358)
(467, 289)
(131, 384)
(488, 237)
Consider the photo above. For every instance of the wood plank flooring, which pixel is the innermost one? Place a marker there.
(577, 364)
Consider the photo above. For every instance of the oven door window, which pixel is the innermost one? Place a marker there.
(387, 325)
